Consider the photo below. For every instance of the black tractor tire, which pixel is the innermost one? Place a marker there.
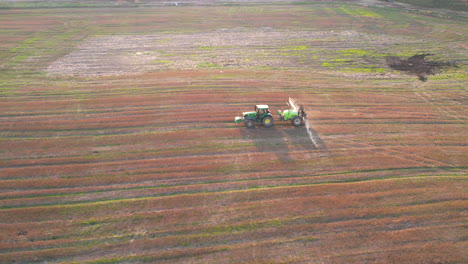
(296, 121)
(267, 121)
(249, 123)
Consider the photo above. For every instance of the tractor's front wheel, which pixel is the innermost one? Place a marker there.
(267, 121)
(296, 121)
(249, 123)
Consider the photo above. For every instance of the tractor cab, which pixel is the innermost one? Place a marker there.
(261, 111)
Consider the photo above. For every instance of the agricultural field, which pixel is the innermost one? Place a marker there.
(118, 142)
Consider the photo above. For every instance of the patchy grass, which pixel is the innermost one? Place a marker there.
(359, 12)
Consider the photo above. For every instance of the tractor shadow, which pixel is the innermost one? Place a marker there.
(283, 140)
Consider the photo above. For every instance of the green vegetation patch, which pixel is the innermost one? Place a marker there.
(359, 12)
(163, 62)
(297, 48)
(214, 47)
(208, 65)
(356, 60)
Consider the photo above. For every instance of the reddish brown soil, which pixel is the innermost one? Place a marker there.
(150, 167)
(168, 176)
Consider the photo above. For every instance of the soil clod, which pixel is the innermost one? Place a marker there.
(22, 232)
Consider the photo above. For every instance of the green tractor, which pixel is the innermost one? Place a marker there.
(262, 115)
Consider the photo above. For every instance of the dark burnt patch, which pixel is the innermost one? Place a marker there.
(418, 65)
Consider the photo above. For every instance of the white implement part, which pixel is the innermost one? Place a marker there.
(295, 107)
(293, 104)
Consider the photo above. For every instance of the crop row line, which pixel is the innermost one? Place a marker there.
(424, 169)
(196, 237)
(17, 134)
(69, 191)
(216, 191)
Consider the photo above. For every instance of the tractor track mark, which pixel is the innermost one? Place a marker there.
(415, 157)
(398, 153)
(430, 99)
(294, 191)
(444, 109)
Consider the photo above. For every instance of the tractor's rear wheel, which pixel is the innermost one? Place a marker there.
(249, 123)
(297, 121)
(267, 121)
